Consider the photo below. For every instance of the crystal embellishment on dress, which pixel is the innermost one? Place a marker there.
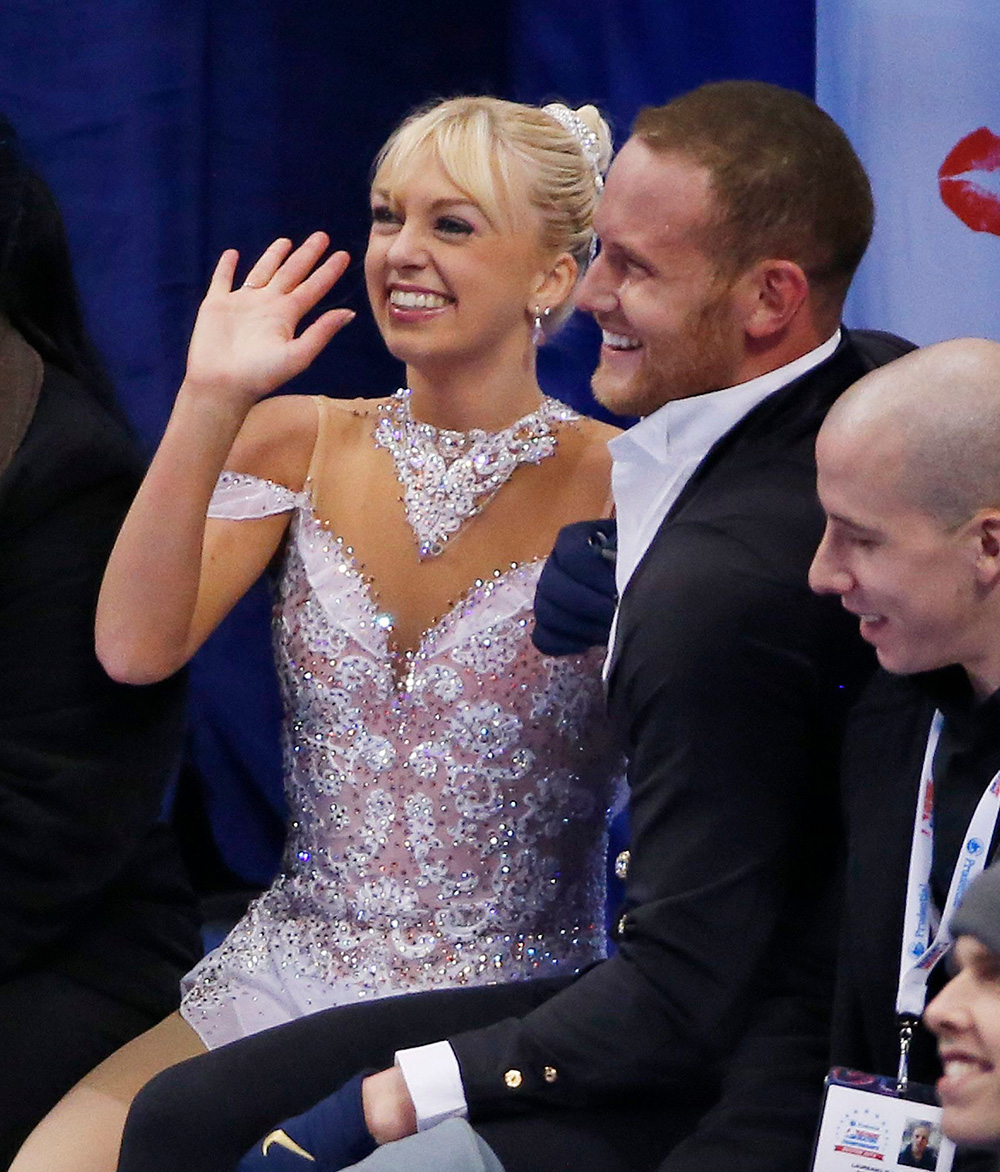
(450, 476)
(445, 829)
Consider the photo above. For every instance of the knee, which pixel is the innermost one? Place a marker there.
(186, 1119)
(163, 1129)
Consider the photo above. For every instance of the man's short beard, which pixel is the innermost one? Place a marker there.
(704, 361)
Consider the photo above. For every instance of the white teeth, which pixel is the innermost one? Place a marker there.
(956, 1067)
(408, 300)
(620, 341)
(869, 618)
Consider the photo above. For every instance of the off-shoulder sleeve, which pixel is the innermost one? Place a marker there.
(239, 496)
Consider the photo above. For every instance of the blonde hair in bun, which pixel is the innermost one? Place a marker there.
(495, 151)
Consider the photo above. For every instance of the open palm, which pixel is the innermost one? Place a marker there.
(244, 343)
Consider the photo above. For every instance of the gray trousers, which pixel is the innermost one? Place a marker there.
(452, 1146)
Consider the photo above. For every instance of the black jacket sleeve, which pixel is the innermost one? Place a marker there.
(771, 1092)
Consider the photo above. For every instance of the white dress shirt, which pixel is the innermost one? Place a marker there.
(651, 464)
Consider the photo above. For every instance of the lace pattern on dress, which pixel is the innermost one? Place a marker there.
(447, 821)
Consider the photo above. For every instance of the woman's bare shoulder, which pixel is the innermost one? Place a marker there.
(343, 411)
(277, 439)
(597, 432)
(590, 441)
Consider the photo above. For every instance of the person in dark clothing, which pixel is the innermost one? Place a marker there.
(96, 918)
(909, 481)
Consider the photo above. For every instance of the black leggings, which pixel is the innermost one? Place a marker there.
(202, 1115)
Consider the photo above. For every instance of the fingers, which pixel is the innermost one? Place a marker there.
(319, 283)
(285, 271)
(307, 284)
(268, 264)
(225, 270)
(300, 263)
(312, 339)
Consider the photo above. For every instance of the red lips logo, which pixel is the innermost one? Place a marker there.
(969, 180)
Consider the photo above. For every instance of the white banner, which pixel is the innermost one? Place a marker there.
(916, 86)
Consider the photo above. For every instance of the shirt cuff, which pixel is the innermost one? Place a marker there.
(434, 1081)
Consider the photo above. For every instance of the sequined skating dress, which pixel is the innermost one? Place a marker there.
(447, 821)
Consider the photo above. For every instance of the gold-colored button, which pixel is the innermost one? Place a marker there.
(513, 1079)
(621, 865)
(550, 1074)
(622, 925)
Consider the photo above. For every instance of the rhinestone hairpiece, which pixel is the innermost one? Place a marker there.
(590, 144)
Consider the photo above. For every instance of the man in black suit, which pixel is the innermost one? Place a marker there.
(909, 479)
(731, 224)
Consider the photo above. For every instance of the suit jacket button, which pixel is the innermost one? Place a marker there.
(622, 925)
(621, 865)
(550, 1074)
(513, 1079)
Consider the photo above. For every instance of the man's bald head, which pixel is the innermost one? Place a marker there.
(934, 416)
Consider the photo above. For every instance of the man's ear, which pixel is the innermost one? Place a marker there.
(556, 283)
(771, 293)
(987, 534)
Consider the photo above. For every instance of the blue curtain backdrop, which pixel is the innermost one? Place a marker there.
(170, 129)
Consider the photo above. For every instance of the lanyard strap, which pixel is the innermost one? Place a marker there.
(926, 935)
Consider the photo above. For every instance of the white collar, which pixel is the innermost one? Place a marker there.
(696, 423)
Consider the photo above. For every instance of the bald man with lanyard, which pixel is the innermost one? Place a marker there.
(909, 479)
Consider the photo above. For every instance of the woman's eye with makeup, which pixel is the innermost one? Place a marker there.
(453, 226)
(383, 214)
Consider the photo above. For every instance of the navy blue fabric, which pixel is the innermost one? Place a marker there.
(170, 131)
(333, 1133)
(575, 598)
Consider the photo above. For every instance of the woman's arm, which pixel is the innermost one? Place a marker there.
(172, 577)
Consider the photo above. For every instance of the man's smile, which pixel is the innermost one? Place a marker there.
(619, 341)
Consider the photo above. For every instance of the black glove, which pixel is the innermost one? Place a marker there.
(329, 1136)
(575, 598)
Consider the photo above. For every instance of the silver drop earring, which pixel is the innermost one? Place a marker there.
(538, 329)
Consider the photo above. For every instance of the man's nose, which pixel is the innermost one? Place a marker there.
(947, 1014)
(826, 576)
(597, 291)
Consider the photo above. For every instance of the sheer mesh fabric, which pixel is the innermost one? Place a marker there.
(447, 783)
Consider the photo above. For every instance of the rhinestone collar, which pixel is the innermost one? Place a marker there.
(450, 476)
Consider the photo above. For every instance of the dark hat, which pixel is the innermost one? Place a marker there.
(979, 913)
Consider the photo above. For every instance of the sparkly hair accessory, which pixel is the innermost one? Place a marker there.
(590, 144)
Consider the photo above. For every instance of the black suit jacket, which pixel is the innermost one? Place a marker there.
(90, 884)
(730, 684)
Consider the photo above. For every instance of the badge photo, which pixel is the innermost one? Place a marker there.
(869, 1125)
